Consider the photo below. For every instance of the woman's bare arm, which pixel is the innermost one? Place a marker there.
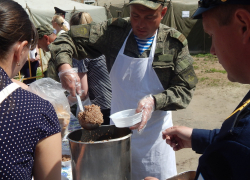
(48, 155)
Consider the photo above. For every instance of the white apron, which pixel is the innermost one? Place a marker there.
(7, 91)
(131, 80)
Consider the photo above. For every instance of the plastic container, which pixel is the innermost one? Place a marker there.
(126, 118)
(66, 163)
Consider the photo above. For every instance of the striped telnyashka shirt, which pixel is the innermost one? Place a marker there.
(98, 80)
(144, 44)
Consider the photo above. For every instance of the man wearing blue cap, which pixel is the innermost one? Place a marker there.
(226, 151)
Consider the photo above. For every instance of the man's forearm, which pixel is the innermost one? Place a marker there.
(64, 67)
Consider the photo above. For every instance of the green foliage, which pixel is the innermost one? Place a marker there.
(39, 73)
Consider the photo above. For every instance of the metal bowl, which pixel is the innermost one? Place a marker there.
(187, 175)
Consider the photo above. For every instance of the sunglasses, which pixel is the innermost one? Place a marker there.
(209, 3)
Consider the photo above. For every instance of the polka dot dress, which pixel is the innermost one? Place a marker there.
(25, 119)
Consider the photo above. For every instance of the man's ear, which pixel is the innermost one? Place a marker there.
(242, 18)
(19, 50)
(46, 39)
(163, 12)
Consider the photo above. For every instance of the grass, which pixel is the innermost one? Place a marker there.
(213, 70)
(206, 57)
(215, 82)
(208, 70)
(196, 67)
(203, 79)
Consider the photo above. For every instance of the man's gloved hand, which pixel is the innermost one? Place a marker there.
(147, 106)
(73, 100)
(70, 81)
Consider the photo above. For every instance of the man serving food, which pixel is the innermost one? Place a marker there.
(150, 70)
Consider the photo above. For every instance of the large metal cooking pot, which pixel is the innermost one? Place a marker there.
(103, 153)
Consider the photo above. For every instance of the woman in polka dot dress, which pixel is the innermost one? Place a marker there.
(30, 139)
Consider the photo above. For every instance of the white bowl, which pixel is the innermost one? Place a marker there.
(126, 118)
(66, 163)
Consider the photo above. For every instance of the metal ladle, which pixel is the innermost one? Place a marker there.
(87, 126)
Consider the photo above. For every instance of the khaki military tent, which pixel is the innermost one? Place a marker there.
(178, 16)
(42, 11)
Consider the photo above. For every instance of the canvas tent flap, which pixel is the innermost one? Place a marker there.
(169, 18)
(192, 29)
(42, 11)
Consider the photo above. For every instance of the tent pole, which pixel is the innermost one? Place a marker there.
(27, 7)
(41, 61)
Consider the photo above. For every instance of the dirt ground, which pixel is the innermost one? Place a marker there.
(213, 101)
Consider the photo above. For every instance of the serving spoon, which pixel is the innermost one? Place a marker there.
(87, 126)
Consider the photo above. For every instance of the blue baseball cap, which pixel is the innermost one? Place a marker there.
(205, 5)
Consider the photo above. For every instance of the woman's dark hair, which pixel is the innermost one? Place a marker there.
(15, 26)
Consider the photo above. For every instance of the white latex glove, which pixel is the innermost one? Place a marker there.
(72, 100)
(147, 106)
(70, 81)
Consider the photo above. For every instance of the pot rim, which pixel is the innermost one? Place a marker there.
(99, 142)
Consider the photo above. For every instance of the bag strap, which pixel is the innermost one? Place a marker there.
(7, 91)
